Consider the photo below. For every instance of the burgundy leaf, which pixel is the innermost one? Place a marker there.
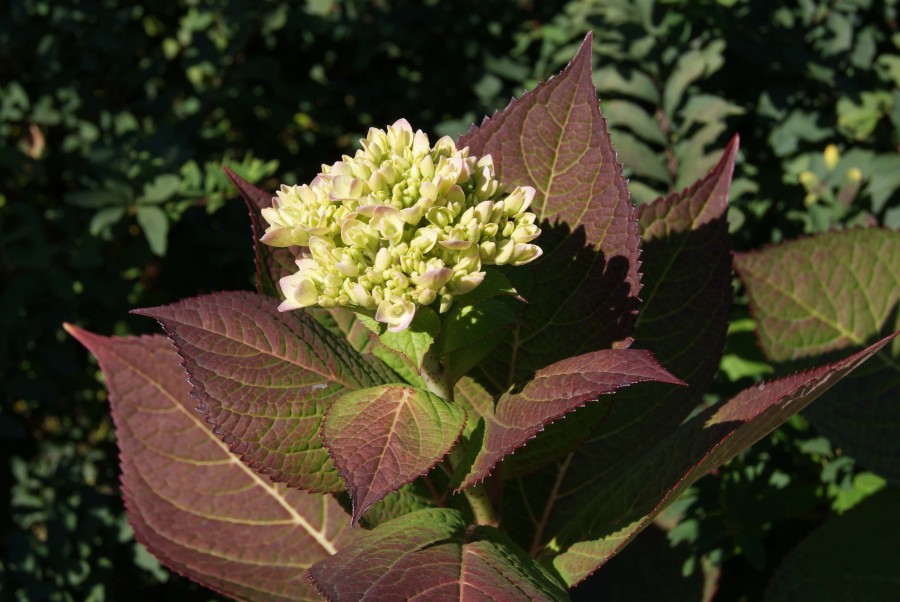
(271, 263)
(595, 519)
(432, 555)
(686, 264)
(553, 392)
(202, 512)
(583, 293)
(384, 437)
(264, 380)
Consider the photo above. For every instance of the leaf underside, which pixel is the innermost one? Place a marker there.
(583, 292)
(432, 555)
(264, 380)
(201, 512)
(835, 291)
(598, 527)
(384, 437)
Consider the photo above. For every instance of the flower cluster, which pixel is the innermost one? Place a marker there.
(398, 225)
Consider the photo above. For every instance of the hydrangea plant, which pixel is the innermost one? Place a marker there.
(392, 414)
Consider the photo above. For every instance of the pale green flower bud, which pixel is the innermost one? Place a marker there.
(399, 225)
(396, 313)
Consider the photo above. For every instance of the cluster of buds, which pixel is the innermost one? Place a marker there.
(399, 225)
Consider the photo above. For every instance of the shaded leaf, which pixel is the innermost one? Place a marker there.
(384, 437)
(553, 392)
(584, 290)
(600, 517)
(201, 512)
(686, 261)
(271, 263)
(160, 189)
(836, 291)
(433, 555)
(155, 224)
(649, 569)
(471, 332)
(264, 380)
(409, 498)
(855, 556)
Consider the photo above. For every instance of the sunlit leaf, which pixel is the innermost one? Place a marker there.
(200, 510)
(583, 293)
(382, 438)
(265, 378)
(434, 555)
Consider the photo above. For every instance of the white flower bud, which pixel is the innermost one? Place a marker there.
(397, 225)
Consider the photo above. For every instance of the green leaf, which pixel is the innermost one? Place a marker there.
(628, 115)
(433, 555)
(414, 341)
(471, 332)
(409, 498)
(95, 199)
(384, 437)
(201, 513)
(105, 218)
(855, 556)
(830, 292)
(155, 224)
(160, 189)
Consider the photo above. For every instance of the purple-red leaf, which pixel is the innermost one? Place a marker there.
(432, 555)
(595, 519)
(384, 437)
(271, 263)
(200, 510)
(686, 262)
(583, 293)
(552, 393)
(264, 380)
(834, 291)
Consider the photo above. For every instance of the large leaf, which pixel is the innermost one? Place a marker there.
(583, 293)
(553, 392)
(202, 512)
(835, 291)
(593, 520)
(264, 380)
(686, 261)
(851, 557)
(433, 555)
(382, 438)
(271, 263)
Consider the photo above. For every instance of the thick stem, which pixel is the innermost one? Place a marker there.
(433, 374)
(476, 495)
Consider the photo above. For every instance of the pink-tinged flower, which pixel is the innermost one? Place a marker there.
(403, 223)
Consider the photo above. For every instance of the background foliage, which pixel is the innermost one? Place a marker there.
(116, 117)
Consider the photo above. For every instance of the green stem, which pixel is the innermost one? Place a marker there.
(432, 373)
